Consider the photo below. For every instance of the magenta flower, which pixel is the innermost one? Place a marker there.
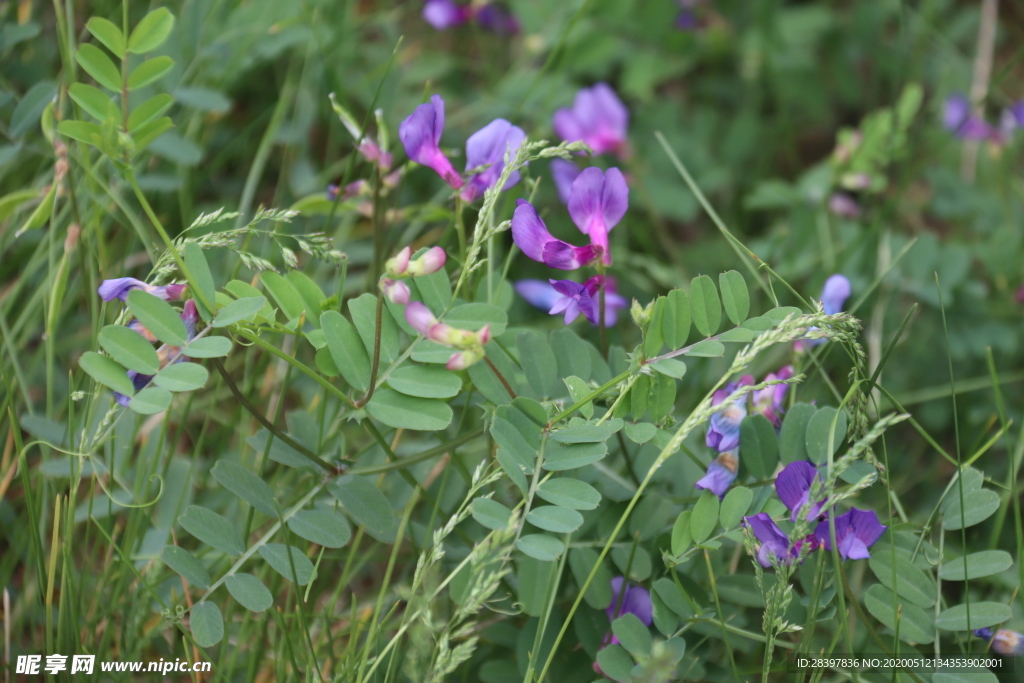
(768, 401)
(564, 173)
(721, 473)
(469, 344)
(794, 488)
(597, 117)
(856, 531)
(1004, 641)
(445, 14)
(586, 299)
(958, 119)
(487, 146)
(118, 288)
(532, 237)
(190, 315)
(421, 132)
(496, 18)
(597, 202)
(843, 205)
(774, 543)
(546, 294)
(724, 426)
(396, 291)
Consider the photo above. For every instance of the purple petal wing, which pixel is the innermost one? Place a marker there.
(564, 173)
(529, 232)
(794, 483)
(538, 293)
(955, 112)
(118, 288)
(835, 293)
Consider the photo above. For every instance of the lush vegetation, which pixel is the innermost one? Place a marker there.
(644, 340)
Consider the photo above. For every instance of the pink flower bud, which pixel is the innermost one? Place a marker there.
(420, 318)
(396, 291)
(397, 266)
(443, 334)
(484, 335)
(430, 262)
(463, 359)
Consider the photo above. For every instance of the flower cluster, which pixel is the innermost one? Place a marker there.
(470, 344)
(374, 151)
(421, 133)
(798, 486)
(403, 266)
(491, 16)
(965, 124)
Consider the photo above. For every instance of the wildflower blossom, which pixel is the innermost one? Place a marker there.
(1004, 641)
(833, 296)
(420, 134)
(597, 117)
(721, 473)
(445, 14)
(396, 291)
(496, 18)
(564, 173)
(469, 344)
(491, 16)
(856, 531)
(627, 599)
(118, 288)
(532, 237)
(794, 485)
(597, 202)
(774, 542)
(843, 205)
(487, 147)
(768, 401)
(724, 426)
(548, 296)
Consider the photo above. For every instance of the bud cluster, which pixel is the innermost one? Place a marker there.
(470, 344)
(403, 266)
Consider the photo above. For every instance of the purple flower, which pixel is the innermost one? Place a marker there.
(496, 18)
(843, 205)
(774, 543)
(958, 119)
(551, 296)
(636, 601)
(1004, 641)
(564, 173)
(396, 291)
(597, 117)
(421, 132)
(768, 401)
(190, 315)
(487, 146)
(532, 237)
(597, 202)
(856, 531)
(794, 485)
(724, 426)
(118, 288)
(444, 14)
(835, 293)
(721, 474)
(353, 189)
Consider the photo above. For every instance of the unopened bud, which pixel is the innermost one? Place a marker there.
(396, 291)
(398, 265)
(431, 262)
(419, 317)
(463, 359)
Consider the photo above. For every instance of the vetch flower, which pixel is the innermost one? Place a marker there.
(721, 473)
(118, 288)
(627, 599)
(396, 291)
(496, 18)
(564, 173)
(774, 543)
(768, 401)
(856, 531)
(470, 344)
(532, 237)
(835, 293)
(402, 265)
(544, 295)
(597, 202)
(420, 134)
(597, 117)
(958, 119)
(1004, 641)
(724, 426)
(190, 316)
(445, 14)
(794, 485)
(843, 205)
(487, 147)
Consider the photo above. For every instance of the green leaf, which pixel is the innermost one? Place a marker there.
(633, 635)
(572, 354)
(654, 335)
(976, 676)
(107, 33)
(672, 597)
(107, 372)
(518, 441)
(95, 103)
(151, 32)
(915, 624)
(615, 663)
(207, 347)
(759, 449)
(541, 547)
(663, 397)
(641, 566)
(29, 110)
(242, 290)
(425, 381)
(639, 396)
(819, 429)
(665, 620)
(194, 258)
(983, 615)
(83, 131)
(435, 289)
(671, 367)
(539, 363)
(475, 316)
(640, 432)
(490, 513)
(582, 562)
(130, 349)
(777, 315)
(186, 564)
(705, 517)
(984, 563)
(148, 132)
(277, 554)
(709, 348)
(249, 592)
(363, 310)
(578, 390)
(978, 506)
(98, 65)
(321, 527)
(158, 316)
(734, 506)
(553, 518)
(207, 624)
(246, 485)
(792, 438)
(911, 583)
(365, 504)
(150, 401)
(676, 323)
(559, 457)
(409, 412)
(240, 309)
(705, 305)
(203, 99)
(682, 537)
(569, 493)
(311, 297)
(182, 377)
(586, 433)
(345, 346)
(212, 529)
(735, 296)
(738, 334)
(513, 469)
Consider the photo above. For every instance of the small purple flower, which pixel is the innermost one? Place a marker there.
(1004, 641)
(532, 237)
(835, 293)
(118, 288)
(421, 132)
(958, 119)
(564, 173)
(487, 147)
(597, 202)
(496, 18)
(636, 601)
(856, 531)
(774, 543)
(768, 401)
(396, 291)
(794, 488)
(445, 14)
(843, 205)
(724, 426)
(551, 297)
(597, 117)
(721, 474)
(353, 189)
